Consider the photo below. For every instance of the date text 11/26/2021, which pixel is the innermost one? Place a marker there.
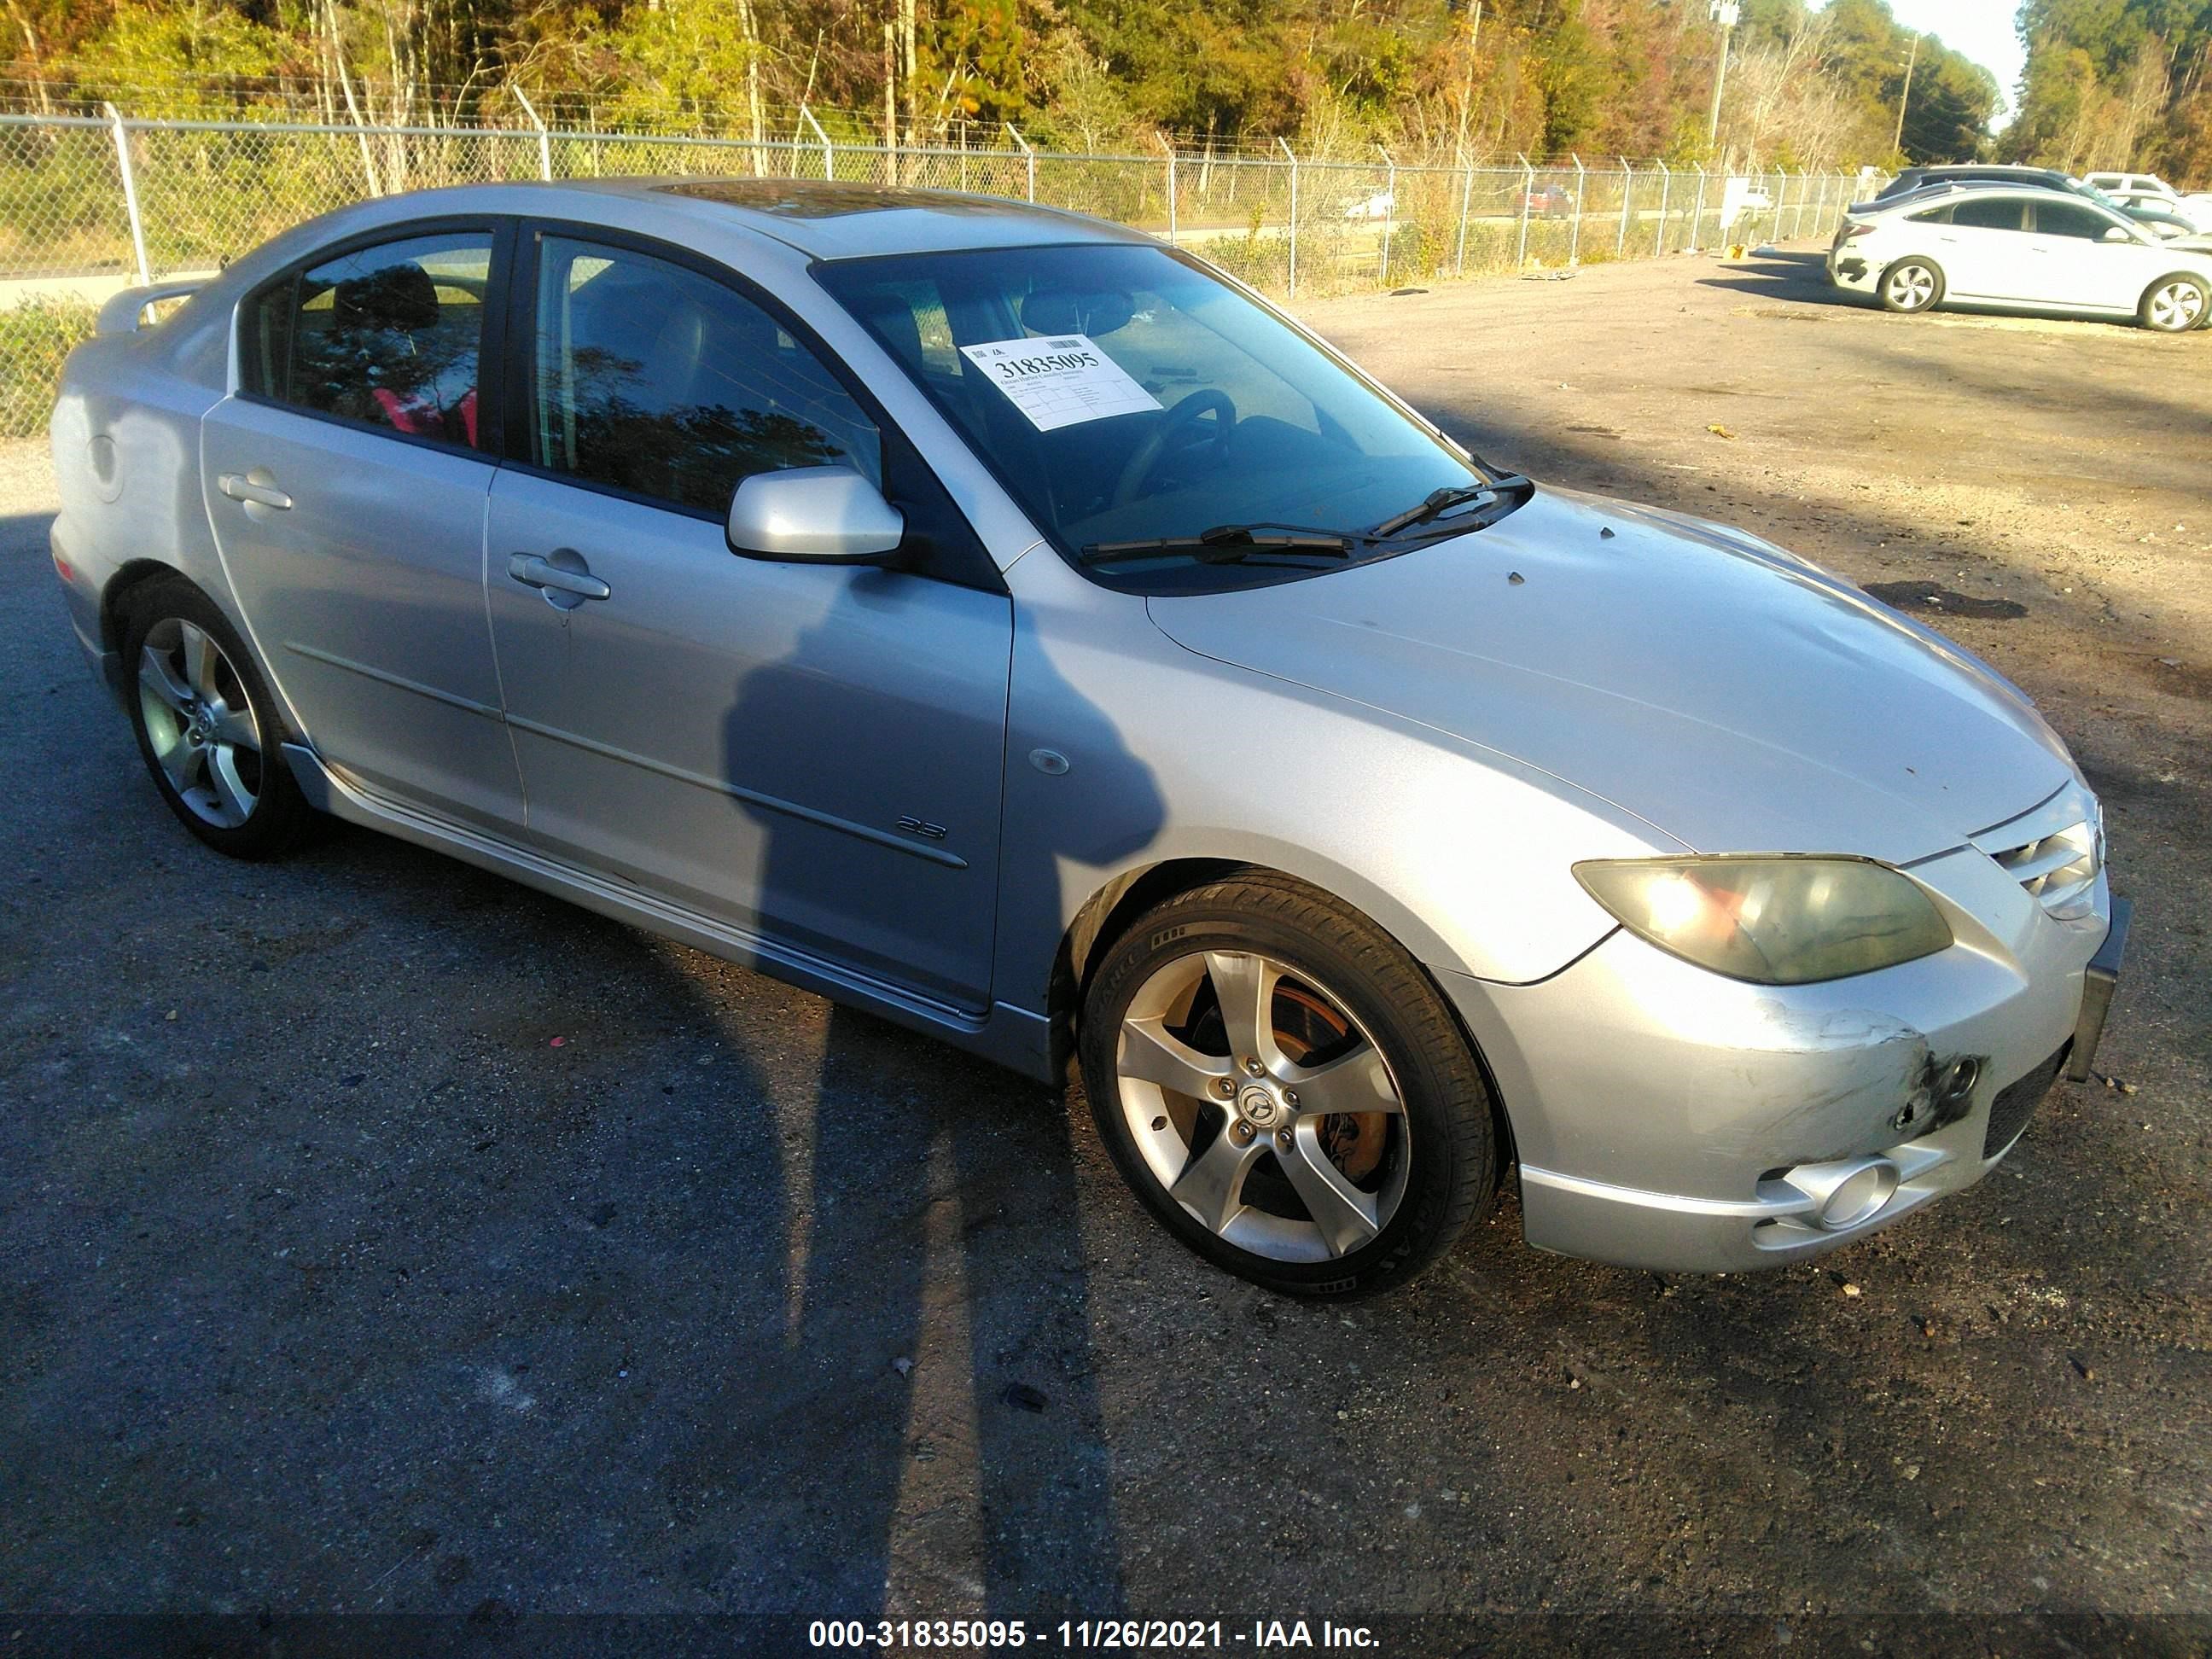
(1087, 1635)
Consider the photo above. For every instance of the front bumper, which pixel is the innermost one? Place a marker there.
(1667, 1118)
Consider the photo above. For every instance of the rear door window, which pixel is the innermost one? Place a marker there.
(2000, 213)
(390, 335)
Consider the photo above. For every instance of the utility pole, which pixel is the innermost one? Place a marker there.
(1724, 13)
(1898, 142)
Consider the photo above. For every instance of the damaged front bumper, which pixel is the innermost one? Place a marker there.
(1664, 1117)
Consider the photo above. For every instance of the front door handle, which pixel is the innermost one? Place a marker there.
(564, 574)
(256, 487)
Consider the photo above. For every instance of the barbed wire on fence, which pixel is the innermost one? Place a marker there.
(91, 203)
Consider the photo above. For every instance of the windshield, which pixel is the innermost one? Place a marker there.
(1127, 399)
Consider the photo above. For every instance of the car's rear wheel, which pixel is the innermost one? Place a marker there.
(1910, 285)
(1284, 1089)
(2176, 304)
(207, 727)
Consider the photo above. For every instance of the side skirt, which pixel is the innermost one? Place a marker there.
(1015, 1038)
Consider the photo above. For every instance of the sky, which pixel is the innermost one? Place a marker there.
(1981, 30)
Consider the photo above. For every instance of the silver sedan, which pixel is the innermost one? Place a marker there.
(992, 618)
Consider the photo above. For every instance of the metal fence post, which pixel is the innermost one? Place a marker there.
(1528, 189)
(1574, 235)
(1170, 148)
(1293, 156)
(1697, 216)
(828, 150)
(1666, 189)
(1466, 196)
(1028, 156)
(1389, 211)
(544, 144)
(1627, 189)
(122, 136)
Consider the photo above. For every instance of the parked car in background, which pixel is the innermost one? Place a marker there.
(1974, 172)
(2191, 204)
(1371, 205)
(2163, 210)
(2000, 247)
(2113, 183)
(2159, 218)
(993, 618)
(1552, 201)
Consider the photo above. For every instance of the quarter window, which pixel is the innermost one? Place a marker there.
(654, 379)
(391, 336)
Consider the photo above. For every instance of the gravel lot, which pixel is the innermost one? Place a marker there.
(385, 1238)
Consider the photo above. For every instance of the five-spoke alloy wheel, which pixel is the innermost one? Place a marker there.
(206, 726)
(1910, 285)
(1284, 1086)
(2176, 304)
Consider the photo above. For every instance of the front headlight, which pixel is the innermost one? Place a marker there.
(1786, 920)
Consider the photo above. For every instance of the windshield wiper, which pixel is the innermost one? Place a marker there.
(1441, 500)
(1226, 544)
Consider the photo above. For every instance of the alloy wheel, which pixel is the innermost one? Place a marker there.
(1912, 288)
(1263, 1107)
(200, 722)
(2176, 306)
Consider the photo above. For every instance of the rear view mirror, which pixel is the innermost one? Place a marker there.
(2116, 234)
(1067, 311)
(814, 515)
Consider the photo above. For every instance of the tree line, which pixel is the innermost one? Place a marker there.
(1480, 80)
(2116, 85)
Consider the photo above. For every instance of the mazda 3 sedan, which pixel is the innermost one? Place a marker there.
(994, 619)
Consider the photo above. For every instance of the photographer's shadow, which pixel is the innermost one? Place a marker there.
(951, 1455)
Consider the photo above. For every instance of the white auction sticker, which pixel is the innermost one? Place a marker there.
(1059, 381)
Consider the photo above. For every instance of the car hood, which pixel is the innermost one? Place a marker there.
(1734, 697)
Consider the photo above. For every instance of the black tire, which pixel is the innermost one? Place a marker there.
(1448, 1140)
(278, 814)
(1898, 292)
(2166, 318)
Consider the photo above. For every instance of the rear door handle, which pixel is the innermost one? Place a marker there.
(246, 487)
(570, 576)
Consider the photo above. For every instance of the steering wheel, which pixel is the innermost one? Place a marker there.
(1178, 421)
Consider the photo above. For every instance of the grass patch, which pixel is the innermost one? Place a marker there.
(35, 338)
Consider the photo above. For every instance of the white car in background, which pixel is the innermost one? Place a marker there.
(2002, 248)
(2193, 205)
(2197, 218)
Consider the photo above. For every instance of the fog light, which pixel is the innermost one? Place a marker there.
(1847, 1192)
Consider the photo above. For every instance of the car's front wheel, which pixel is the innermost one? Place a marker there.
(207, 727)
(1910, 285)
(1285, 1090)
(2174, 305)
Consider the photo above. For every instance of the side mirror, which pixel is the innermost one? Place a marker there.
(2115, 234)
(814, 515)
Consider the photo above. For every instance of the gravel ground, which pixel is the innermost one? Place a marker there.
(386, 1237)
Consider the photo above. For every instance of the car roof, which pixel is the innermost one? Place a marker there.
(837, 220)
(1963, 190)
(1986, 170)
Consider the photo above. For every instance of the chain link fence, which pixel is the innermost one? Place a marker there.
(89, 206)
